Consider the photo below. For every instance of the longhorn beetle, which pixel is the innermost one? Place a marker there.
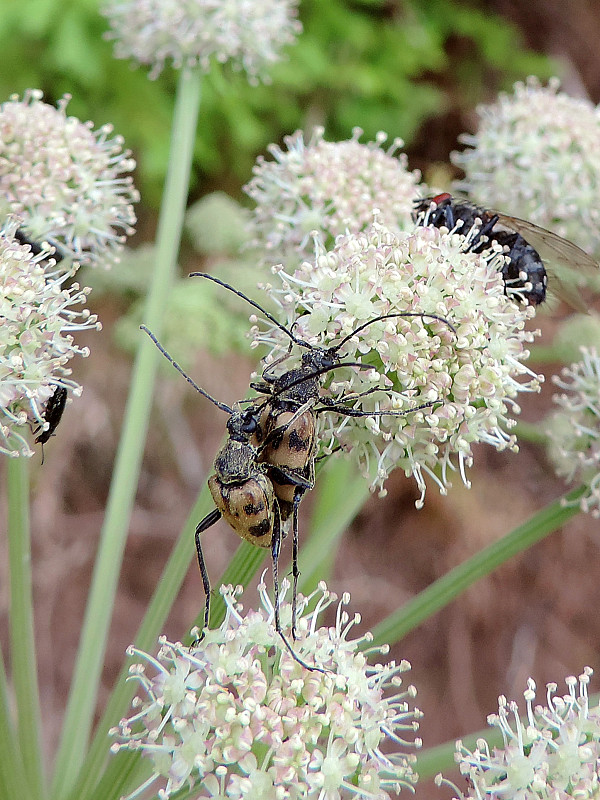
(242, 491)
(286, 426)
(244, 486)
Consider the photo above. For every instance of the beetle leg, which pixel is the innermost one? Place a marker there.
(208, 520)
(275, 550)
(357, 412)
(295, 573)
(350, 397)
(267, 373)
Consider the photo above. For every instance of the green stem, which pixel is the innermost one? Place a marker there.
(88, 667)
(167, 589)
(22, 632)
(544, 354)
(444, 590)
(121, 773)
(12, 771)
(530, 432)
(341, 493)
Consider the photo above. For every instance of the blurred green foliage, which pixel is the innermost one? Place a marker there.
(200, 315)
(379, 64)
(197, 319)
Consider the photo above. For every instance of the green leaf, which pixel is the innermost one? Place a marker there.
(451, 585)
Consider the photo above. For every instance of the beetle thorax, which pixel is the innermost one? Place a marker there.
(236, 462)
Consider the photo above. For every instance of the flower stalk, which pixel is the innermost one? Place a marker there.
(22, 631)
(86, 677)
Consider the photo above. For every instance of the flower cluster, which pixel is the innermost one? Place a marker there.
(467, 367)
(554, 754)
(236, 716)
(248, 33)
(574, 429)
(330, 187)
(65, 182)
(535, 155)
(39, 315)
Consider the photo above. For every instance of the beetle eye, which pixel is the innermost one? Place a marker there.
(329, 360)
(250, 423)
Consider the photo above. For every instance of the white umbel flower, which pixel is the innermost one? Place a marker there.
(536, 155)
(38, 317)
(330, 187)
(469, 369)
(553, 755)
(250, 34)
(236, 716)
(67, 183)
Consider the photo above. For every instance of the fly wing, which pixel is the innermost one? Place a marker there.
(543, 240)
(570, 267)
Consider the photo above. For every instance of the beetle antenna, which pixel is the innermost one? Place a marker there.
(270, 317)
(181, 371)
(309, 376)
(389, 316)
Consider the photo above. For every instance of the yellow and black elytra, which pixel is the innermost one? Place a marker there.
(286, 430)
(52, 415)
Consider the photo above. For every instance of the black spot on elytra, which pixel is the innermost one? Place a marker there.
(252, 509)
(260, 530)
(296, 443)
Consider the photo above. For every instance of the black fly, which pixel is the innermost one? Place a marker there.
(532, 251)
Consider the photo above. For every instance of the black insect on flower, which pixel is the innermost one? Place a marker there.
(532, 252)
(37, 248)
(52, 415)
